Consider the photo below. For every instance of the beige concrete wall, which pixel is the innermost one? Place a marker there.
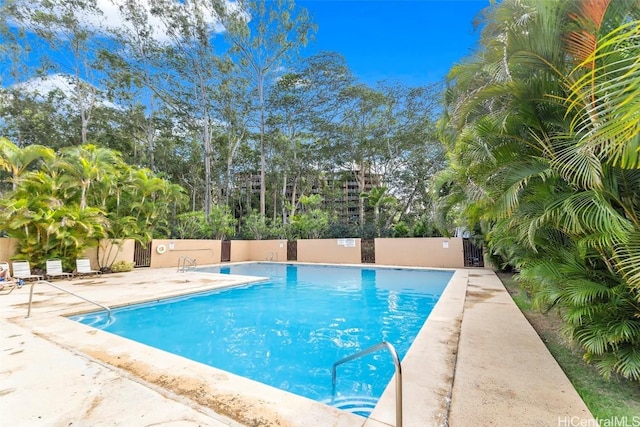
(420, 252)
(8, 248)
(92, 254)
(109, 252)
(259, 250)
(329, 250)
(241, 250)
(203, 251)
(267, 250)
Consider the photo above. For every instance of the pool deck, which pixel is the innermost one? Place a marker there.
(477, 361)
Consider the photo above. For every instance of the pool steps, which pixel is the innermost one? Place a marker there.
(359, 405)
(398, 375)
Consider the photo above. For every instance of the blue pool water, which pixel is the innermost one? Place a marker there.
(288, 331)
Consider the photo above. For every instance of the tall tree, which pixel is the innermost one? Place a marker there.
(361, 131)
(302, 103)
(69, 29)
(178, 64)
(234, 108)
(263, 35)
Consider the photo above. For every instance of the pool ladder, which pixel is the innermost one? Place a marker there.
(273, 256)
(396, 362)
(185, 262)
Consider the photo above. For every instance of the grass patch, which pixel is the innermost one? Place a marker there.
(607, 400)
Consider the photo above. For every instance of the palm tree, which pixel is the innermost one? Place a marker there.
(543, 138)
(378, 199)
(150, 200)
(87, 164)
(45, 223)
(16, 160)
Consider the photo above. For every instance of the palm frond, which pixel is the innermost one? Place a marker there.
(627, 257)
(579, 165)
(605, 103)
(587, 212)
(582, 41)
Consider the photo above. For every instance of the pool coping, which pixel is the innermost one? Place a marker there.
(430, 369)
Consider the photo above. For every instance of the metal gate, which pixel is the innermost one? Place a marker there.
(292, 250)
(225, 252)
(368, 251)
(473, 255)
(142, 254)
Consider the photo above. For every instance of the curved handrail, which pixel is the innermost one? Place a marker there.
(182, 263)
(273, 256)
(104, 307)
(396, 362)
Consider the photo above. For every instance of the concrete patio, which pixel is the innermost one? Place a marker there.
(477, 361)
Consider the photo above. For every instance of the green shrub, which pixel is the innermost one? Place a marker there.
(120, 266)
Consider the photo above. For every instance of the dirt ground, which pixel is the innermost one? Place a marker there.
(548, 325)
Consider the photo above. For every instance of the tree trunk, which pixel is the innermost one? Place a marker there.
(361, 187)
(275, 203)
(284, 198)
(207, 169)
(263, 162)
(151, 135)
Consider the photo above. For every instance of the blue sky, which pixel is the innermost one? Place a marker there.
(415, 42)
(412, 41)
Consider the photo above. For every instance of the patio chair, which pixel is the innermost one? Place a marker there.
(54, 269)
(83, 267)
(22, 270)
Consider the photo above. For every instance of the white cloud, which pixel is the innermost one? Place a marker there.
(65, 84)
(160, 31)
(108, 17)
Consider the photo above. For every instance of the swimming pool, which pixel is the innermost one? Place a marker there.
(288, 331)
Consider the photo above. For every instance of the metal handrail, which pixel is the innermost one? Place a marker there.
(104, 307)
(182, 267)
(273, 256)
(396, 362)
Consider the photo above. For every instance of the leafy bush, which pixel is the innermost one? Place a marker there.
(191, 225)
(122, 266)
(254, 228)
(401, 230)
(341, 230)
(194, 225)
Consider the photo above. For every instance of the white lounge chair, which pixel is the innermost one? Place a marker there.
(22, 270)
(54, 269)
(83, 267)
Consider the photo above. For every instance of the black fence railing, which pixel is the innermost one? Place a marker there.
(225, 251)
(368, 251)
(473, 255)
(292, 250)
(142, 255)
